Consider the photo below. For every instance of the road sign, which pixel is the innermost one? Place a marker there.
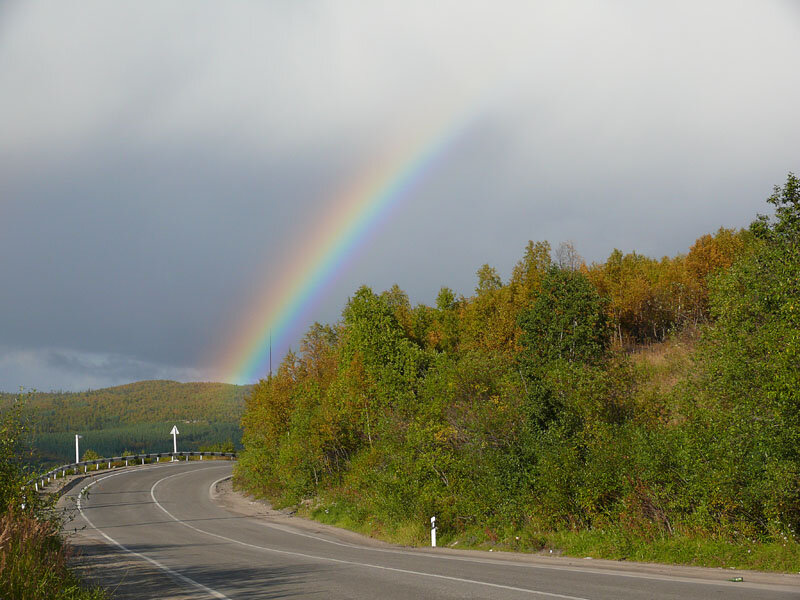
(174, 433)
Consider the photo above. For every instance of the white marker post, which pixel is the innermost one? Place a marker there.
(77, 450)
(433, 532)
(174, 433)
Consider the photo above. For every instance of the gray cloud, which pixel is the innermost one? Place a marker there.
(51, 369)
(158, 164)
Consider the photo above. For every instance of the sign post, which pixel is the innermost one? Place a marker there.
(174, 433)
(77, 449)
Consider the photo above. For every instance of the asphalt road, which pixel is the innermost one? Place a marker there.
(158, 530)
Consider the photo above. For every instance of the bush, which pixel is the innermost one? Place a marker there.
(33, 561)
(33, 557)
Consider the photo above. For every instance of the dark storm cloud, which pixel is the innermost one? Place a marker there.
(49, 369)
(158, 164)
(136, 253)
(107, 367)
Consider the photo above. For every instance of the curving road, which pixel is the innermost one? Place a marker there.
(157, 532)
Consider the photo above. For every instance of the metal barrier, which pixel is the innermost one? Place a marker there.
(40, 481)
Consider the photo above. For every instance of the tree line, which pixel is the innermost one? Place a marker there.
(140, 402)
(135, 417)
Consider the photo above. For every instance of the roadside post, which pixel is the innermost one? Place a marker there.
(433, 532)
(77, 449)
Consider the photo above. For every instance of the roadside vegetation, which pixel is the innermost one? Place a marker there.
(636, 409)
(33, 556)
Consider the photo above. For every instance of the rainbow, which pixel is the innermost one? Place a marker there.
(282, 307)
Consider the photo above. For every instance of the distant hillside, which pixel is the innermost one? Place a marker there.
(140, 402)
(134, 417)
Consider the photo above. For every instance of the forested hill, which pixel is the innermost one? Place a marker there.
(642, 408)
(133, 417)
(140, 402)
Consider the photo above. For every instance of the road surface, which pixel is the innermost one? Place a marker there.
(157, 532)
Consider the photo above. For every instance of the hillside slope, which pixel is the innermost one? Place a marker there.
(135, 417)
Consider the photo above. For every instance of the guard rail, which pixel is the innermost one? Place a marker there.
(116, 462)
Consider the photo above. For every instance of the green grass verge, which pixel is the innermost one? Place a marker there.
(346, 516)
(612, 544)
(695, 550)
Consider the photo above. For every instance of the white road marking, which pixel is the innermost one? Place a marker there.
(349, 562)
(166, 569)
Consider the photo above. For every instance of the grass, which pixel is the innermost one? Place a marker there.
(348, 517)
(693, 550)
(658, 368)
(611, 543)
(33, 562)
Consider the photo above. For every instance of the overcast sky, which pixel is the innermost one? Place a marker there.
(159, 161)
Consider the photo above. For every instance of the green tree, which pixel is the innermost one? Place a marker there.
(490, 318)
(488, 280)
(527, 274)
(748, 383)
(374, 336)
(90, 454)
(14, 446)
(785, 228)
(566, 322)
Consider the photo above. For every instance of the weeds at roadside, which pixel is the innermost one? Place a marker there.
(33, 562)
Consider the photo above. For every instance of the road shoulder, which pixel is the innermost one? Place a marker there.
(237, 502)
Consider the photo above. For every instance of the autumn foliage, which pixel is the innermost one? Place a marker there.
(638, 394)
